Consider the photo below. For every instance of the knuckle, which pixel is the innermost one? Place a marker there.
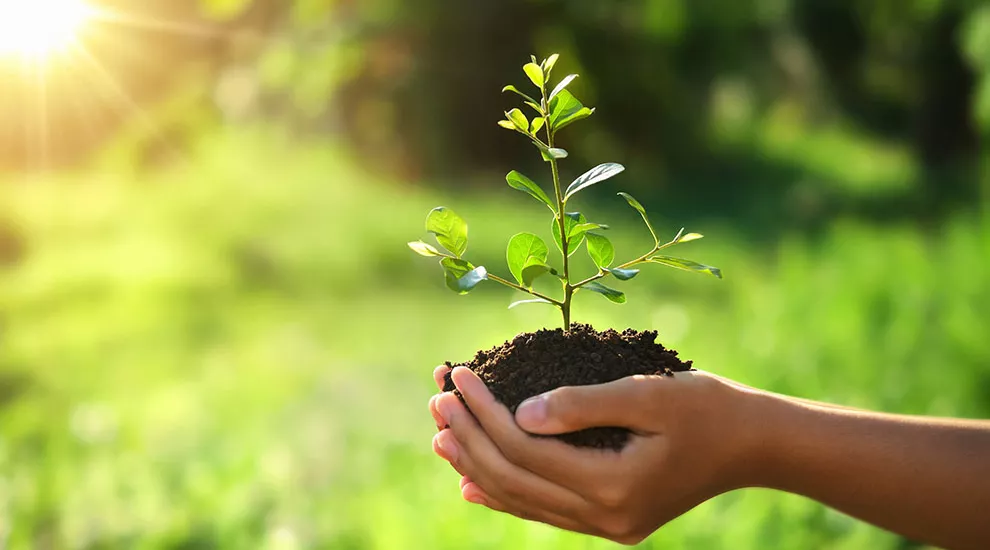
(611, 496)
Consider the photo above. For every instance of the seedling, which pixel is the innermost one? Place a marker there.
(527, 254)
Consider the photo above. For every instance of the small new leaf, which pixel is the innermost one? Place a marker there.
(450, 229)
(549, 64)
(691, 237)
(623, 274)
(461, 276)
(571, 221)
(601, 250)
(526, 250)
(519, 119)
(535, 126)
(424, 249)
(513, 89)
(563, 85)
(597, 174)
(535, 74)
(507, 125)
(520, 182)
(687, 265)
(642, 212)
(558, 153)
(613, 295)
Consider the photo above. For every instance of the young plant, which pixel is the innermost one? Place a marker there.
(527, 254)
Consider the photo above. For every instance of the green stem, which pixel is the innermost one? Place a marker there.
(565, 306)
(510, 284)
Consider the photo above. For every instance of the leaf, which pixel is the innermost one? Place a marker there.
(549, 63)
(623, 274)
(571, 221)
(424, 249)
(535, 74)
(601, 250)
(533, 57)
(687, 265)
(557, 153)
(582, 114)
(583, 228)
(532, 271)
(536, 108)
(536, 125)
(520, 182)
(597, 174)
(451, 230)
(691, 237)
(507, 125)
(461, 276)
(613, 295)
(562, 85)
(522, 251)
(562, 106)
(519, 119)
(513, 89)
(642, 212)
(536, 301)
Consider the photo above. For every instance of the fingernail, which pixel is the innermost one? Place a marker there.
(532, 412)
(448, 447)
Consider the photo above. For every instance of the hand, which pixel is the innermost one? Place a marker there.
(689, 445)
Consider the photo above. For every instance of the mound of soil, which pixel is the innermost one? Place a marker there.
(537, 362)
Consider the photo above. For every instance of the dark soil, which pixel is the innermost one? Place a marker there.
(534, 363)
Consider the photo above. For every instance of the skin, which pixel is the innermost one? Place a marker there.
(696, 436)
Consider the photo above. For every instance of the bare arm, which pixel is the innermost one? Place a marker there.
(698, 435)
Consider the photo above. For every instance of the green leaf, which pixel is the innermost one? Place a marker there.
(536, 125)
(520, 182)
(549, 64)
(533, 269)
(557, 153)
(583, 228)
(597, 174)
(562, 106)
(536, 108)
(525, 250)
(461, 276)
(601, 250)
(642, 212)
(424, 249)
(610, 293)
(562, 85)
(567, 121)
(623, 274)
(535, 74)
(519, 119)
(451, 230)
(536, 301)
(507, 125)
(687, 265)
(691, 237)
(513, 89)
(571, 221)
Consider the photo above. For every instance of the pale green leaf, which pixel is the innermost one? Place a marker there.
(623, 274)
(691, 237)
(536, 125)
(525, 249)
(461, 276)
(534, 301)
(450, 229)
(424, 249)
(687, 265)
(520, 182)
(601, 250)
(610, 293)
(507, 125)
(563, 84)
(519, 119)
(535, 74)
(571, 221)
(513, 89)
(597, 174)
(549, 64)
(642, 212)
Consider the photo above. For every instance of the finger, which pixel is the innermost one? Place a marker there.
(440, 422)
(474, 494)
(477, 457)
(549, 459)
(438, 375)
(625, 403)
(446, 451)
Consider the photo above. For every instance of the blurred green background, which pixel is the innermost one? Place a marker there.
(212, 334)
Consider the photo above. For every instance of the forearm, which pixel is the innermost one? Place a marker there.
(927, 479)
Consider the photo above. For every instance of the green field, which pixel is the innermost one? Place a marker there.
(236, 352)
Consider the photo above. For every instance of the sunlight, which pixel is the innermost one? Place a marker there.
(39, 28)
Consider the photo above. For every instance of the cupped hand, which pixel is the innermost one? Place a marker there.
(689, 444)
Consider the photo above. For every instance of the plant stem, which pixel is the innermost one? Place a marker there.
(510, 284)
(565, 306)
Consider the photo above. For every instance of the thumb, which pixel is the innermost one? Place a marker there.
(624, 403)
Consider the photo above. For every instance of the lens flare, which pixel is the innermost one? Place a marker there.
(39, 28)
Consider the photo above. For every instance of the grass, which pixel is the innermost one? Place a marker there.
(237, 353)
